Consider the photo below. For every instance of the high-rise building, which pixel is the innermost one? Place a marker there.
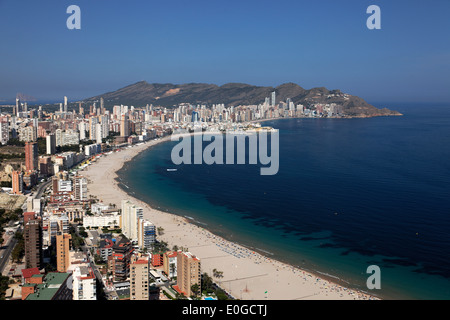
(17, 182)
(58, 137)
(104, 120)
(51, 143)
(188, 272)
(130, 217)
(194, 117)
(31, 156)
(65, 104)
(55, 185)
(16, 108)
(121, 258)
(82, 129)
(273, 99)
(45, 165)
(139, 282)
(68, 137)
(84, 284)
(32, 234)
(92, 128)
(63, 242)
(28, 133)
(124, 126)
(80, 188)
(98, 133)
(4, 130)
(146, 234)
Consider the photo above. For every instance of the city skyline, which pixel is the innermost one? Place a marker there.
(313, 44)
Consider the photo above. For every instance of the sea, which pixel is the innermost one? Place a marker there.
(349, 194)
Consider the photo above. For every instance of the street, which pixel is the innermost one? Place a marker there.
(5, 253)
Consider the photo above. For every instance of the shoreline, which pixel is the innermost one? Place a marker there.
(247, 274)
(348, 117)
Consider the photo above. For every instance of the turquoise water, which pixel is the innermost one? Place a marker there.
(349, 194)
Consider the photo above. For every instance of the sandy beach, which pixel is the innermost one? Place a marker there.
(247, 275)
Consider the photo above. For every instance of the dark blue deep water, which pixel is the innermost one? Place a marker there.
(349, 193)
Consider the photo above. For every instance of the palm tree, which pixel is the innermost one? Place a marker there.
(217, 273)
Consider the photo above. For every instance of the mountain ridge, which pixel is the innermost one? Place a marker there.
(168, 94)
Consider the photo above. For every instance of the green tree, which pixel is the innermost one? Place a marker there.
(18, 252)
(217, 273)
(4, 284)
(221, 295)
(207, 283)
(42, 146)
(195, 288)
(15, 142)
(160, 247)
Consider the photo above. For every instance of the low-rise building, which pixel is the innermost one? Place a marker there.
(102, 220)
(54, 287)
(170, 263)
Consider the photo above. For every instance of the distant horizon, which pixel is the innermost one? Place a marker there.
(323, 43)
(57, 100)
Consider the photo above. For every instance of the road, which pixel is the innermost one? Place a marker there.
(90, 259)
(41, 188)
(6, 252)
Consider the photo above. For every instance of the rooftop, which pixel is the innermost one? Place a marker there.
(27, 273)
(56, 278)
(50, 287)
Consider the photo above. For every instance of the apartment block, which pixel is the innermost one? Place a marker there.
(63, 244)
(188, 272)
(139, 279)
(33, 242)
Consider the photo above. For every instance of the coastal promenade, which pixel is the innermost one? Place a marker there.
(247, 275)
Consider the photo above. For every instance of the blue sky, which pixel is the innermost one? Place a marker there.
(312, 43)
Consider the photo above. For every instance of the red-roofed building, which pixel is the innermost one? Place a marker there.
(157, 260)
(177, 289)
(139, 282)
(27, 216)
(28, 273)
(27, 289)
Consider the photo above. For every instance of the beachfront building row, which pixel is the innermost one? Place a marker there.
(135, 227)
(188, 273)
(186, 268)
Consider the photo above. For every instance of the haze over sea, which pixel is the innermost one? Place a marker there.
(349, 193)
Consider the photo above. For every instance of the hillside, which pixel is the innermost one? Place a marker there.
(167, 95)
